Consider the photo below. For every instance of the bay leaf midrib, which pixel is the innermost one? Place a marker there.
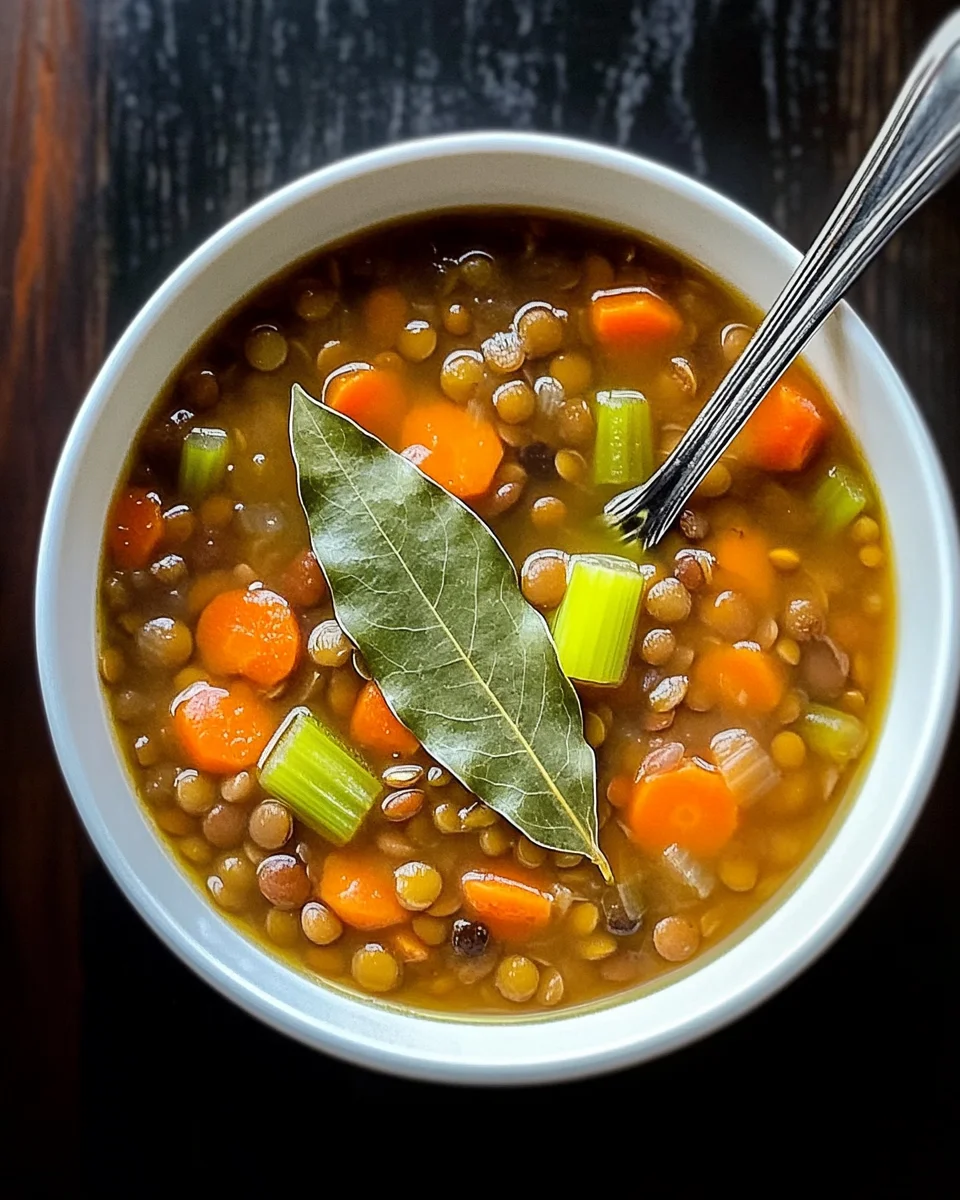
(575, 820)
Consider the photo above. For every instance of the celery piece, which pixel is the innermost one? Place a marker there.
(309, 770)
(203, 461)
(623, 449)
(594, 626)
(839, 498)
(833, 734)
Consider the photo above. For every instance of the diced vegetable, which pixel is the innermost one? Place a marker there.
(787, 429)
(511, 906)
(463, 451)
(690, 806)
(136, 526)
(203, 462)
(623, 450)
(840, 497)
(374, 726)
(742, 676)
(327, 788)
(694, 874)
(222, 730)
(372, 397)
(743, 562)
(249, 632)
(359, 887)
(747, 769)
(631, 319)
(832, 734)
(595, 624)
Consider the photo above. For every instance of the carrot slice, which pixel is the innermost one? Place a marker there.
(371, 396)
(136, 526)
(374, 726)
(631, 319)
(742, 676)
(385, 313)
(787, 429)
(252, 633)
(512, 906)
(360, 889)
(463, 451)
(222, 729)
(302, 582)
(690, 806)
(743, 561)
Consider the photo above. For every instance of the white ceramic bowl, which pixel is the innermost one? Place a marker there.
(573, 177)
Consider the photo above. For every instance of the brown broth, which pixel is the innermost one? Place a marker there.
(254, 527)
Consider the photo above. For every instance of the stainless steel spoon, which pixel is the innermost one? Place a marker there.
(915, 152)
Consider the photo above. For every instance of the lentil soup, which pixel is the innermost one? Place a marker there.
(557, 362)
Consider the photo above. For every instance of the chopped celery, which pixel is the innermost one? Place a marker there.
(623, 449)
(595, 624)
(840, 497)
(203, 461)
(832, 734)
(308, 769)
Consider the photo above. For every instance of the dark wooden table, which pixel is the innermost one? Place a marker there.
(129, 130)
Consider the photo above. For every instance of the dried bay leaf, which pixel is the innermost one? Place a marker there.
(428, 594)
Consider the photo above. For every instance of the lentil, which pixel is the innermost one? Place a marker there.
(283, 881)
(270, 825)
(517, 978)
(543, 579)
(375, 969)
(319, 924)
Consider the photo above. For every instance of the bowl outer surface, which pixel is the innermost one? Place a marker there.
(524, 170)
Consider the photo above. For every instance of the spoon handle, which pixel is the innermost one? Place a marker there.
(915, 152)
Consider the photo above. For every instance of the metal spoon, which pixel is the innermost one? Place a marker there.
(914, 153)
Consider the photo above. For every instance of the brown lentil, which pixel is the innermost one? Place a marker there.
(328, 645)
(320, 925)
(270, 824)
(668, 601)
(283, 881)
(676, 938)
(224, 825)
(540, 331)
(543, 579)
(164, 642)
(265, 348)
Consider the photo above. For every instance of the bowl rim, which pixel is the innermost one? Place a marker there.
(398, 1057)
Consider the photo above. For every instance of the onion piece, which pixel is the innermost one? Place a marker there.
(694, 874)
(747, 769)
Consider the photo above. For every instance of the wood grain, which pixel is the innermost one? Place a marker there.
(49, 349)
(129, 130)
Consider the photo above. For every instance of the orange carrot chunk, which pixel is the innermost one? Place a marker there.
(462, 451)
(741, 676)
(136, 526)
(302, 582)
(359, 887)
(511, 906)
(787, 429)
(222, 730)
(371, 396)
(744, 565)
(690, 806)
(631, 319)
(374, 726)
(249, 632)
